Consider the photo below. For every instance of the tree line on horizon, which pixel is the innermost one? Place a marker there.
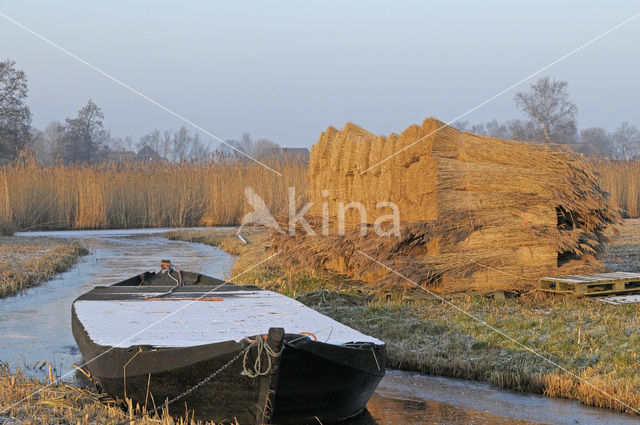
(551, 117)
(83, 139)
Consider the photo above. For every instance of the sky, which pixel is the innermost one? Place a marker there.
(287, 70)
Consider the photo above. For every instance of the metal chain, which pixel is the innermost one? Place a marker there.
(190, 390)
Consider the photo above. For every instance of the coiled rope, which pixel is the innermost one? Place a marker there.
(261, 346)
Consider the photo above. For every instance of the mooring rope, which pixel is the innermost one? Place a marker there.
(262, 346)
(260, 342)
(166, 267)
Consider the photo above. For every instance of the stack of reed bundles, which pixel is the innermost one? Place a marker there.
(477, 213)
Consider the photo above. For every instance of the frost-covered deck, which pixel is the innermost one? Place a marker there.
(184, 322)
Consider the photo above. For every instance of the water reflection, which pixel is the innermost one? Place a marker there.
(386, 410)
(410, 398)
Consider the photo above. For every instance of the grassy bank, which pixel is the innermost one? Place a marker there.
(597, 342)
(61, 403)
(165, 194)
(224, 238)
(26, 262)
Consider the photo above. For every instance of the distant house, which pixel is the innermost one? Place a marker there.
(584, 148)
(302, 153)
(119, 156)
(147, 154)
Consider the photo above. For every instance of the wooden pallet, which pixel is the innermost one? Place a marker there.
(592, 284)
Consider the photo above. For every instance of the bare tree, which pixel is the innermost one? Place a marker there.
(626, 141)
(478, 129)
(180, 144)
(547, 104)
(495, 129)
(198, 150)
(153, 140)
(524, 131)
(599, 138)
(265, 147)
(165, 144)
(117, 143)
(44, 142)
(84, 135)
(246, 143)
(461, 125)
(229, 146)
(128, 143)
(15, 116)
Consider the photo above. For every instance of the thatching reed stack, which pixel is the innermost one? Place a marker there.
(477, 213)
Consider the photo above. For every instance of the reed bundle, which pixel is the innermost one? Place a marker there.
(477, 213)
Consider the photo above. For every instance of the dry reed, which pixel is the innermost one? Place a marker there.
(477, 213)
(622, 180)
(164, 194)
(28, 400)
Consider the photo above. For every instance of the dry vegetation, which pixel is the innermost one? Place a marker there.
(25, 262)
(140, 195)
(477, 213)
(595, 341)
(188, 194)
(29, 401)
(224, 238)
(622, 180)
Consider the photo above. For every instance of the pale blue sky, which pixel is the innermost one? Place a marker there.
(287, 70)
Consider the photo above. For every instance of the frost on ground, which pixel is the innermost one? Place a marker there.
(620, 299)
(623, 251)
(25, 262)
(623, 255)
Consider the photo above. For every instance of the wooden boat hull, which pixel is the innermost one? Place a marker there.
(150, 376)
(325, 382)
(309, 381)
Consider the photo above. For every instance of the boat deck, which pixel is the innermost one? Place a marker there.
(122, 316)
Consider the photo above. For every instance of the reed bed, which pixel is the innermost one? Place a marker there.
(622, 180)
(26, 262)
(165, 194)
